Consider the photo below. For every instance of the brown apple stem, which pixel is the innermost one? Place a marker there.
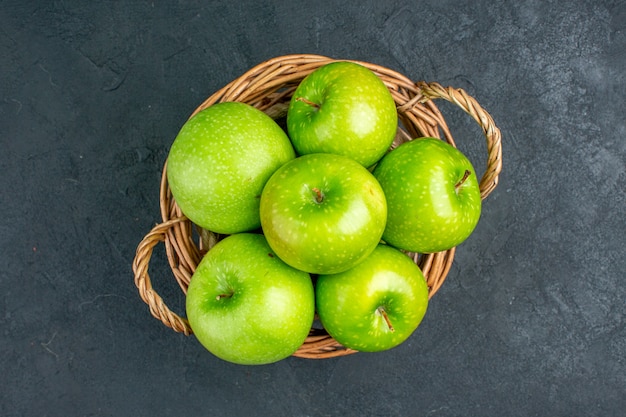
(219, 297)
(383, 313)
(465, 176)
(309, 102)
(319, 197)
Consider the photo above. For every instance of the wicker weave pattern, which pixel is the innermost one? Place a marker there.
(269, 86)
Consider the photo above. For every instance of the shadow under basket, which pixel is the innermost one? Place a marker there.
(269, 87)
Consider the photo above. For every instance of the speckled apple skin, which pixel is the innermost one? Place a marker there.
(219, 163)
(356, 114)
(348, 303)
(426, 214)
(332, 236)
(269, 309)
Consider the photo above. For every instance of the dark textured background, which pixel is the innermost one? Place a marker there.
(531, 320)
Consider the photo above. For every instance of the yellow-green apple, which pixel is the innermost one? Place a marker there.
(219, 163)
(376, 305)
(323, 213)
(432, 194)
(342, 108)
(245, 305)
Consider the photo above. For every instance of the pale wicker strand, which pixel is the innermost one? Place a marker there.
(142, 279)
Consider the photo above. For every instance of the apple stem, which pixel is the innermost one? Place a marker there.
(465, 176)
(383, 313)
(319, 196)
(309, 102)
(219, 297)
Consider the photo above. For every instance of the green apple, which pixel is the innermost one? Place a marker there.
(432, 194)
(219, 163)
(323, 213)
(342, 108)
(377, 304)
(246, 306)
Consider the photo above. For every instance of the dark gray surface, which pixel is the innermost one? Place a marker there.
(530, 321)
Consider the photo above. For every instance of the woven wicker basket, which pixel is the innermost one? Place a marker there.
(269, 86)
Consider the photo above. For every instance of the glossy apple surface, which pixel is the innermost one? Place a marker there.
(342, 108)
(219, 163)
(323, 213)
(246, 306)
(432, 194)
(376, 305)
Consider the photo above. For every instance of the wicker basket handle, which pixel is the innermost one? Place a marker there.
(457, 96)
(158, 309)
